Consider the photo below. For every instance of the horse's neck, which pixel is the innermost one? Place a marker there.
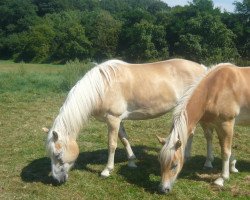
(195, 108)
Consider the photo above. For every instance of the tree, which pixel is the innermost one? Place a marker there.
(243, 21)
(51, 6)
(16, 15)
(243, 8)
(207, 39)
(103, 31)
(38, 44)
(136, 31)
(70, 41)
(146, 42)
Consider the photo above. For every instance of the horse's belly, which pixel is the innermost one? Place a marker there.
(148, 109)
(140, 115)
(153, 111)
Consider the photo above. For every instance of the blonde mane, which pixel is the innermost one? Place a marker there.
(179, 130)
(83, 98)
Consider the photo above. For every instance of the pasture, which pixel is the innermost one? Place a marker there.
(30, 98)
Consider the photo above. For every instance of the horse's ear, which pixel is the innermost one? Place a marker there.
(55, 135)
(45, 129)
(178, 144)
(161, 140)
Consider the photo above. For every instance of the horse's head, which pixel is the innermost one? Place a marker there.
(171, 160)
(63, 155)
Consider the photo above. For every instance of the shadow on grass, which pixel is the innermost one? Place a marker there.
(148, 167)
(193, 169)
(39, 170)
(146, 175)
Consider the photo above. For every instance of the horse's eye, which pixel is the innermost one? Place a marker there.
(174, 166)
(58, 156)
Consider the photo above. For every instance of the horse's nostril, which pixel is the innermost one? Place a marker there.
(167, 190)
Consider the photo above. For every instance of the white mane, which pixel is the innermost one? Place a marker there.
(83, 98)
(179, 129)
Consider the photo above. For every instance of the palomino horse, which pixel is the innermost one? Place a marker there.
(111, 92)
(218, 101)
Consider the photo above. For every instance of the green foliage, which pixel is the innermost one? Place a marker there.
(136, 31)
(37, 42)
(207, 39)
(103, 30)
(70, 41)
(74, 71)
(145, 42)
(29, 82)
(239, 23)
(16, 15)
(25, 81)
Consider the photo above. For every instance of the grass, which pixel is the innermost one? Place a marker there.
(25, 169)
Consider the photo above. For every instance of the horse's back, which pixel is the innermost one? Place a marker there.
(227, 91)
(179, 65)
(148, 90)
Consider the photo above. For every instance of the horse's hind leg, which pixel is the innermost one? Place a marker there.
(232, 165)
(124, 139)
(225, 134)
(113, 128)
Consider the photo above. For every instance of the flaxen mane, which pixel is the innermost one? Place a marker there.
(83, 98)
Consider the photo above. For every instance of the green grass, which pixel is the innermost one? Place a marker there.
(25, 169)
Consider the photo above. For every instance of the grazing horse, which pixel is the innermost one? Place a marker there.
(218, 101)
(111, 92)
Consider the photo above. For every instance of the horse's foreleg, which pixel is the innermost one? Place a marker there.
(124, 139)
(210, 158)
(113, 128)
(188, 147)
(225, 134)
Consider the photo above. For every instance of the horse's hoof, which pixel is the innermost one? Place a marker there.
(132, 165)
(219, 182)
(234, 170)
(105, 173)
(207, 168)
(208, 165)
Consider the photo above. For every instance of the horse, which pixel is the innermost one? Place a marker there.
(112, 92)
(218, 101)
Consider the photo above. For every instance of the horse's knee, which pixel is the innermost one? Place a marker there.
(112, 147)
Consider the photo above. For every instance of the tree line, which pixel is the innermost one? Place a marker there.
(56, 31)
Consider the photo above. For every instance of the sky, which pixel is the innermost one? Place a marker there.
(223, 4)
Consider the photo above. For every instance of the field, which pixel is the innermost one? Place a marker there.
(30, 98)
